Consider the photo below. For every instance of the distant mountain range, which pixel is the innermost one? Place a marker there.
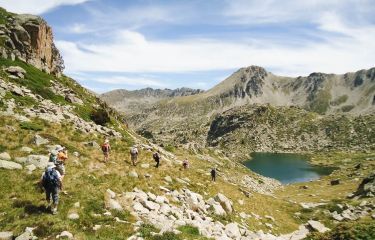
(281, 110)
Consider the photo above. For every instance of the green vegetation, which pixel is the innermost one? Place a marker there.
(320, 104)
(31, 126)
(361, 230)
(4, 15)
(340, 100)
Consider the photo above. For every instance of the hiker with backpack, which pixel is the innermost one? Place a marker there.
(62, 156)
(157, 157)
(106, 148)
(213, 174)
(134, 155)
(52, 184)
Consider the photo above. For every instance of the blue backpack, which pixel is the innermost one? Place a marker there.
(51, 179)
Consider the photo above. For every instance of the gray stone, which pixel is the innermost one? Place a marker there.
(232, 231)
(133, 174)
(114, 205)
(168, 179)
(317, 226)
(38, 140)
(26, 149)
(30, 168)
(218, 209)
(6, 235)
(5, 156)
(65, 235)
(73, 99)
(10, 165)
(40, 161)
(16, 71)
(73, 216)
(224, 202)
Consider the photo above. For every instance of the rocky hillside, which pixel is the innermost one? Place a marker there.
(131, 102)
(303, 114)
(40, 111)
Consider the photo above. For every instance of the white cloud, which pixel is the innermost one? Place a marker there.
(131, 81)
(346, 49)
(36, 6)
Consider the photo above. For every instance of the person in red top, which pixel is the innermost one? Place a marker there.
(106, 148)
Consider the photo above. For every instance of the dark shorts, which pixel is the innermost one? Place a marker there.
(106, 154)
(54, 194)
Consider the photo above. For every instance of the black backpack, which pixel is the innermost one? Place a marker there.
(51, 179)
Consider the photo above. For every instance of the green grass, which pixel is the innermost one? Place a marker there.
(31, 126)
(360, 230)
(320, 104)
(340, 100)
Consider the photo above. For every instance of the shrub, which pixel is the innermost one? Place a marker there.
(31, 126)
(170, 148)
(100, 116)
(187, 229)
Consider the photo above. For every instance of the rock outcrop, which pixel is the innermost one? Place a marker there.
(30, 39)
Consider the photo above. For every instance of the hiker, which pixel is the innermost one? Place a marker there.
(52, 184)
(213, 174)
(185, 164)
(106, 148)
(157, 157)
(134, 155)
(62, 156)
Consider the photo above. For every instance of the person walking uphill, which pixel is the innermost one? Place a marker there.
(213, 174)
(157, 157)
(134, 155)
(62, 156)
(52, 184)
(106, 148)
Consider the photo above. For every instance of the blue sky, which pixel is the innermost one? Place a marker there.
(109, 44)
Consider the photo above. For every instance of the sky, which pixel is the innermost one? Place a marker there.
(111, 44)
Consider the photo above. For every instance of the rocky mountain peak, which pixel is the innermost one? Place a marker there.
(30, 39)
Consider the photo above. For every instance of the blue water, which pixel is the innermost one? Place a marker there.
(285, 167)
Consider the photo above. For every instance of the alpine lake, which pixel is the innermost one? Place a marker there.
(286, 167)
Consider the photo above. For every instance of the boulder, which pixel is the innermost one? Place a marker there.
(168, 179)
(317, 226)
(10, 165)
(16, 71)
(232, 231)
(113, 205)
(133, 174)
(65, 235)
(218, 209)
(27, 235)
(40, 161)
(26, 149)
(335, 182)
(92, 144)
(73, 99)
(367, 187)
(30, 168)
(38, 140)
(224, 202)
(5, 156)
(73, 216)
(6, 235)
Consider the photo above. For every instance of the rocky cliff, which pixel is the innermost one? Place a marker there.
(30, 39)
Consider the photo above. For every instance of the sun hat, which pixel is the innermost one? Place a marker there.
(106, 141)
(59, 149)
